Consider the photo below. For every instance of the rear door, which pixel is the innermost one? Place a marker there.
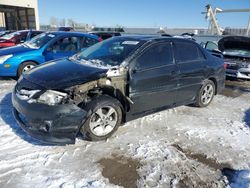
(153, 79)
(192, 65)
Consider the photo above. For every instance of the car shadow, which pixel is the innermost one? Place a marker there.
(247, 117)
(8, 118)
(8, 78)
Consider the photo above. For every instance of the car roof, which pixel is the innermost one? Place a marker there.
(148, 38)
(26, 31)
(72, 33)
(101, 32)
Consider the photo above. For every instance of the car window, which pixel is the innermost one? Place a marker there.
(23, 38)
(185, 51)
(211, 46)
(155, 56)
(67, 44)
(86, 42)
(34, 34)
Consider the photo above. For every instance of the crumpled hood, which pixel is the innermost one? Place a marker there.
(63, 73)
(15, 50)
(237, 44)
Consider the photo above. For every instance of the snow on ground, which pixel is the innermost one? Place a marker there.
(180, 147)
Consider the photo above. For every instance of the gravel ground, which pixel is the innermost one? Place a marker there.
(180, 147)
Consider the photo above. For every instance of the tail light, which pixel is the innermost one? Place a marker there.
(225, 66)
(100, 39)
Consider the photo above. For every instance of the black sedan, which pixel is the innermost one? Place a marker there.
(112, 82)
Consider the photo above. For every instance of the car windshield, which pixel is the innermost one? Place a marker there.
(39, 40)
(11, 35)
(111, 52)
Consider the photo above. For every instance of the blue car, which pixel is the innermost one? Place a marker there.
(44, 47)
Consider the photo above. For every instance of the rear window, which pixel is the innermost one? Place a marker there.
(185, 51)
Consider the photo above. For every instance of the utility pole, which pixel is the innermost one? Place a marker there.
(248, 27)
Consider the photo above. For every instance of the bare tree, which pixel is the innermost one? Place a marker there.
(71, 22)
(53, 21)
(62, 22)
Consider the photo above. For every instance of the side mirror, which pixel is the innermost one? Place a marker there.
(202, 44)
(133, 69)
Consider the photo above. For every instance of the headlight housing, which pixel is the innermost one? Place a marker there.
(5, 58)
(50, 97)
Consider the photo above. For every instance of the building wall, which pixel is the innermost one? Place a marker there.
(23, 3)
(2, 20)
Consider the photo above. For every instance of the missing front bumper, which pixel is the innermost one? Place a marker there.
(50, 124)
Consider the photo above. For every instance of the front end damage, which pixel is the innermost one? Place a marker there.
(58, 124)
(113, 84)
(61, 123)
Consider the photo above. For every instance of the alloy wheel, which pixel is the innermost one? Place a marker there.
(207, 94)
(103, 121)
(27, 68)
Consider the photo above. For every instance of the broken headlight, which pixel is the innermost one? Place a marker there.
(52, 97)
(5, 58)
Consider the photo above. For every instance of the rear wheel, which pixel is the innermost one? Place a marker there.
(206, 94)
(25, 67)
(105, 115)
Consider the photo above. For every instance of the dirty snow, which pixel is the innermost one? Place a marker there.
(180, 147)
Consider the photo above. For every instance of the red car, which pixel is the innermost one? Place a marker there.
(17, 37)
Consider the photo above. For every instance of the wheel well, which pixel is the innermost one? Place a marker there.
(29, 61)
(215, 83)
(25, 62)
(117, 94)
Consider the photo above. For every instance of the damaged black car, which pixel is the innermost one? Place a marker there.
(94, 92)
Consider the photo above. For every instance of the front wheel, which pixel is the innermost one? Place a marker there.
(105, 116)
(206, 94)
(25, 67)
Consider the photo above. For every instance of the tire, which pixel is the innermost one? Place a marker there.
(206, 94)
(99, 124)
(25, 67)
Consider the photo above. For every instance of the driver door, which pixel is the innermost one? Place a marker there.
(153, 79)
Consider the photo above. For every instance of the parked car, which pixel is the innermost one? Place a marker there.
(65, 29)
(112, 82)
(45, 47)
(105, 35)
(2, 33)
(236, 53)
(17, 37)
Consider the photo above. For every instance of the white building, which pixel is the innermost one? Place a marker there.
(19, 14)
